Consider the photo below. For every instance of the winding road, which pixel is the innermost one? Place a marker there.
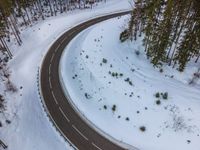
(69, 123)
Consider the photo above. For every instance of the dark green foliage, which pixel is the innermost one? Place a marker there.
(87, 96)
(157, 95)
(113, 74)
(158, 102)
(161, 70)
(105, 107)
(104, 60)
(124, 36)
(114, 108)
(127, 119)
(130, 83)
(8, 121)
(137, 52)
(188, 141)
(127, 80)
(143, 128)
(165, 95)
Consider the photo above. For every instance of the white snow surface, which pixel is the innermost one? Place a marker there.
(30, 128)
(172, 125)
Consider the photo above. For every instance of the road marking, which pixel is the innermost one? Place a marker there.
(63, 40)
(58, 47)
(72, 32)
(49, 69)
(64, 114)
(52, 57)
(50, 82)
(79, 132)
(96, 146)
(54, 97)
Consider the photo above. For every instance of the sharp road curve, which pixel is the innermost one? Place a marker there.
(64, 117)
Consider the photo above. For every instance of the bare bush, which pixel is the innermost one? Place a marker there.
(11, 87)
(2, 103)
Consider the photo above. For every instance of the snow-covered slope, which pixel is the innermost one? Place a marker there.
(115, 86)
(30, 128)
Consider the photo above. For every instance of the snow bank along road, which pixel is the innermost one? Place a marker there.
(65, 118)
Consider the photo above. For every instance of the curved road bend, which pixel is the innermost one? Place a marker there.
(65, 118)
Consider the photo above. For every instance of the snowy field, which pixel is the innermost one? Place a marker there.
(30, 129)
(116, 88)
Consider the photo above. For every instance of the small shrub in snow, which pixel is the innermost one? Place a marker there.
(114, 108)
(188, 141)
(104, 61)
(124, 36)
(161, 70)
(158, 102)
(111, 66)
(143, 128)
(105, 107)
(121, 74)
(87, 56)
(132, 70)
(127, 119)
(1, 124)
(165, 95)
(8, 121)
(87, 96)
(119, 116)
(127, 80)
(138, 112)
(130, 83)
(113, 74)
(137, 52)
(157, 95)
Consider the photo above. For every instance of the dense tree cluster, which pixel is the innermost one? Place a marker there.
(15, 13)
(171, 30)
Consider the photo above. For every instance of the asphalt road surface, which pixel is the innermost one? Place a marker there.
(64, 117)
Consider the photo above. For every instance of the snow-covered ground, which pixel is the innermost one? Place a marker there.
(30, 129)
(115, 86)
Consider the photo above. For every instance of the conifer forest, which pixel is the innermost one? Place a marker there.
(16, 13)
(171, 30)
